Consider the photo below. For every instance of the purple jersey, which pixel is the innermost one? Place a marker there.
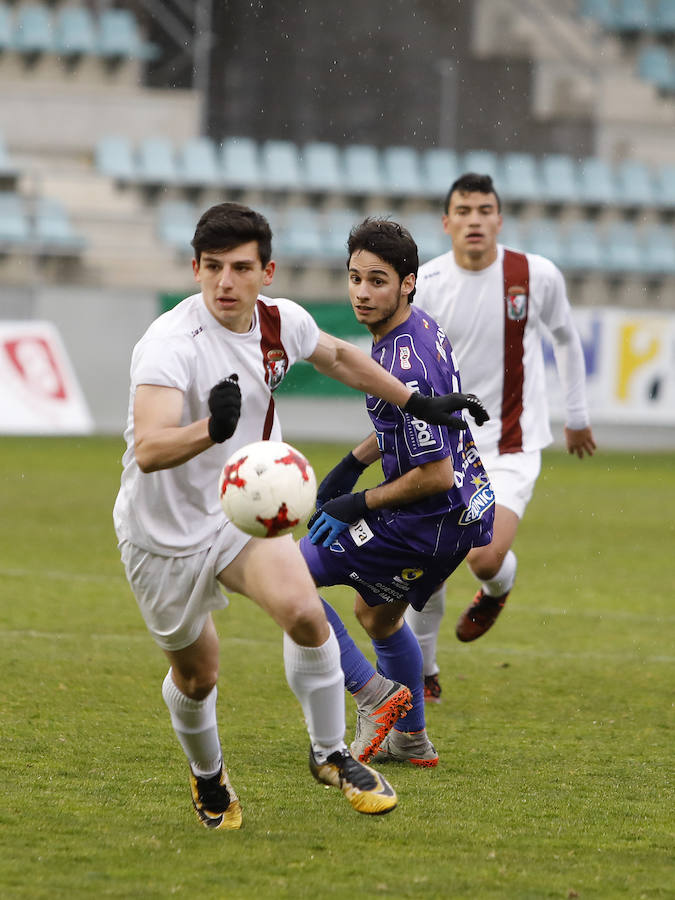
(419, 354)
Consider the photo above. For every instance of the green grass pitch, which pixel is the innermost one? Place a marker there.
(555, 732)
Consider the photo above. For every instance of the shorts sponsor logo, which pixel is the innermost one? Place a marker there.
(411, 574)
(360, 532)
(480, 501)
(386, 592)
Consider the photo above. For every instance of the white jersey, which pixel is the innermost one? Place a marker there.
(176, 511)
(495, 319)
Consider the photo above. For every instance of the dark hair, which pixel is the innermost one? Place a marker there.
(390, 241)
(229, 225)
(470, 183)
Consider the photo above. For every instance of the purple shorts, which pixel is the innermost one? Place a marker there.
(389, 556)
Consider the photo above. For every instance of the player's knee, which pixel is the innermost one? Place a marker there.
(486, 563)
(304, 624)
(199, 683)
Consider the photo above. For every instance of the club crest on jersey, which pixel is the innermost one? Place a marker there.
(275, 368)
(404, 357)
(516, 303)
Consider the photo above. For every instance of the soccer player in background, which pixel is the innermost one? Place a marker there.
(395, 542)
(495, 305)
(202, 378)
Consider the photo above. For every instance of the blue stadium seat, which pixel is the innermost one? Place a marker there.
(596, 182)
(75, 32)
(156, 164)
(542, 236)
(440, 168)
(241, 166)
(600, 11)
(402, 172)
(511, 233)
(115, 158)
(559, 179)
(622, 252)
(33, 32)
(658, 248)
(14, 223)
(655, 65)
(8, 170)
(427, 230)
(53, 231)
(663, 17)
(176, 222)
(300, 236)
(482, 162)
(6, 28)
(664, 186)
(119, 37)
(337, 223)
(518, 179)
(634, 183)
(197, 163)
(321, 167)
(363, 174)
(280, 163)
(581, 247)
(632, 16)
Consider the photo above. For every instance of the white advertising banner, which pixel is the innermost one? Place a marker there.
(39, 392)
(630, 366)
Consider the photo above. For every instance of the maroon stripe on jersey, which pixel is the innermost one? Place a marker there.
(516, 302)
(274, 356)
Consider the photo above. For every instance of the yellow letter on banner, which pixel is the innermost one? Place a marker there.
(637, 347)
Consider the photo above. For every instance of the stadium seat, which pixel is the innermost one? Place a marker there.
(664, 186)
(482, 162)
(119, 37)
(321, 167)
(337, 223)
(14, 224)
(363, 174)
(427, 230)
(439, 168)
(511, 233)
(401, 171)
(156, 164)
(559, 179)
(634, 183)
(600, 11)
(54, 232)
(300, 236)
(6, 28)
(632, 16)
(596, 182)
(176, 223)
(280, 162)
(240, 163)
(8, 171)
(33, 29)
(655, 65)
(658, 248)
(621, 248)
(581, 247)
(75, 32)
(115, 158)
(663, 17)
(197, 163)
(542, 236)
(518, 179)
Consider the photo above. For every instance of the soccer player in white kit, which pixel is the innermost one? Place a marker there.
(495, 305)
(202, 378)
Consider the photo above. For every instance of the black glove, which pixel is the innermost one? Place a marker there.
(225, 407)
(340, 480)
(336, 515)
(438, 410)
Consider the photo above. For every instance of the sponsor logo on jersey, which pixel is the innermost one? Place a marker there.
(404, 357)
(196, 331)
(420, 434)
(516, 303)
(480, 501)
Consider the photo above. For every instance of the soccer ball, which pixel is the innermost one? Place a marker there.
(267, 488)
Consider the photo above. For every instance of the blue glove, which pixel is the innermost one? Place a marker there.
(337, 514)
(340, 480)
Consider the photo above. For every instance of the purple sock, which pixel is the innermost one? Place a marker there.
(399, 658)
(356, 667)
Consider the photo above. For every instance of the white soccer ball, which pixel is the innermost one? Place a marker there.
(267, 488)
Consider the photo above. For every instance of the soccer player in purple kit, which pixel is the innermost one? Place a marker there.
(396, 542)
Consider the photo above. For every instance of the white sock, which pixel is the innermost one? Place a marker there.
(504, 580)
(194, 722)
(426, 625)
(315, 677)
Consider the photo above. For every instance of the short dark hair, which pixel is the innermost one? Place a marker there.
(390, 241)
(228, 225)
(470, 183)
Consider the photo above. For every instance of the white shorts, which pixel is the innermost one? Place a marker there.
(175, 594)
(513, 477)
